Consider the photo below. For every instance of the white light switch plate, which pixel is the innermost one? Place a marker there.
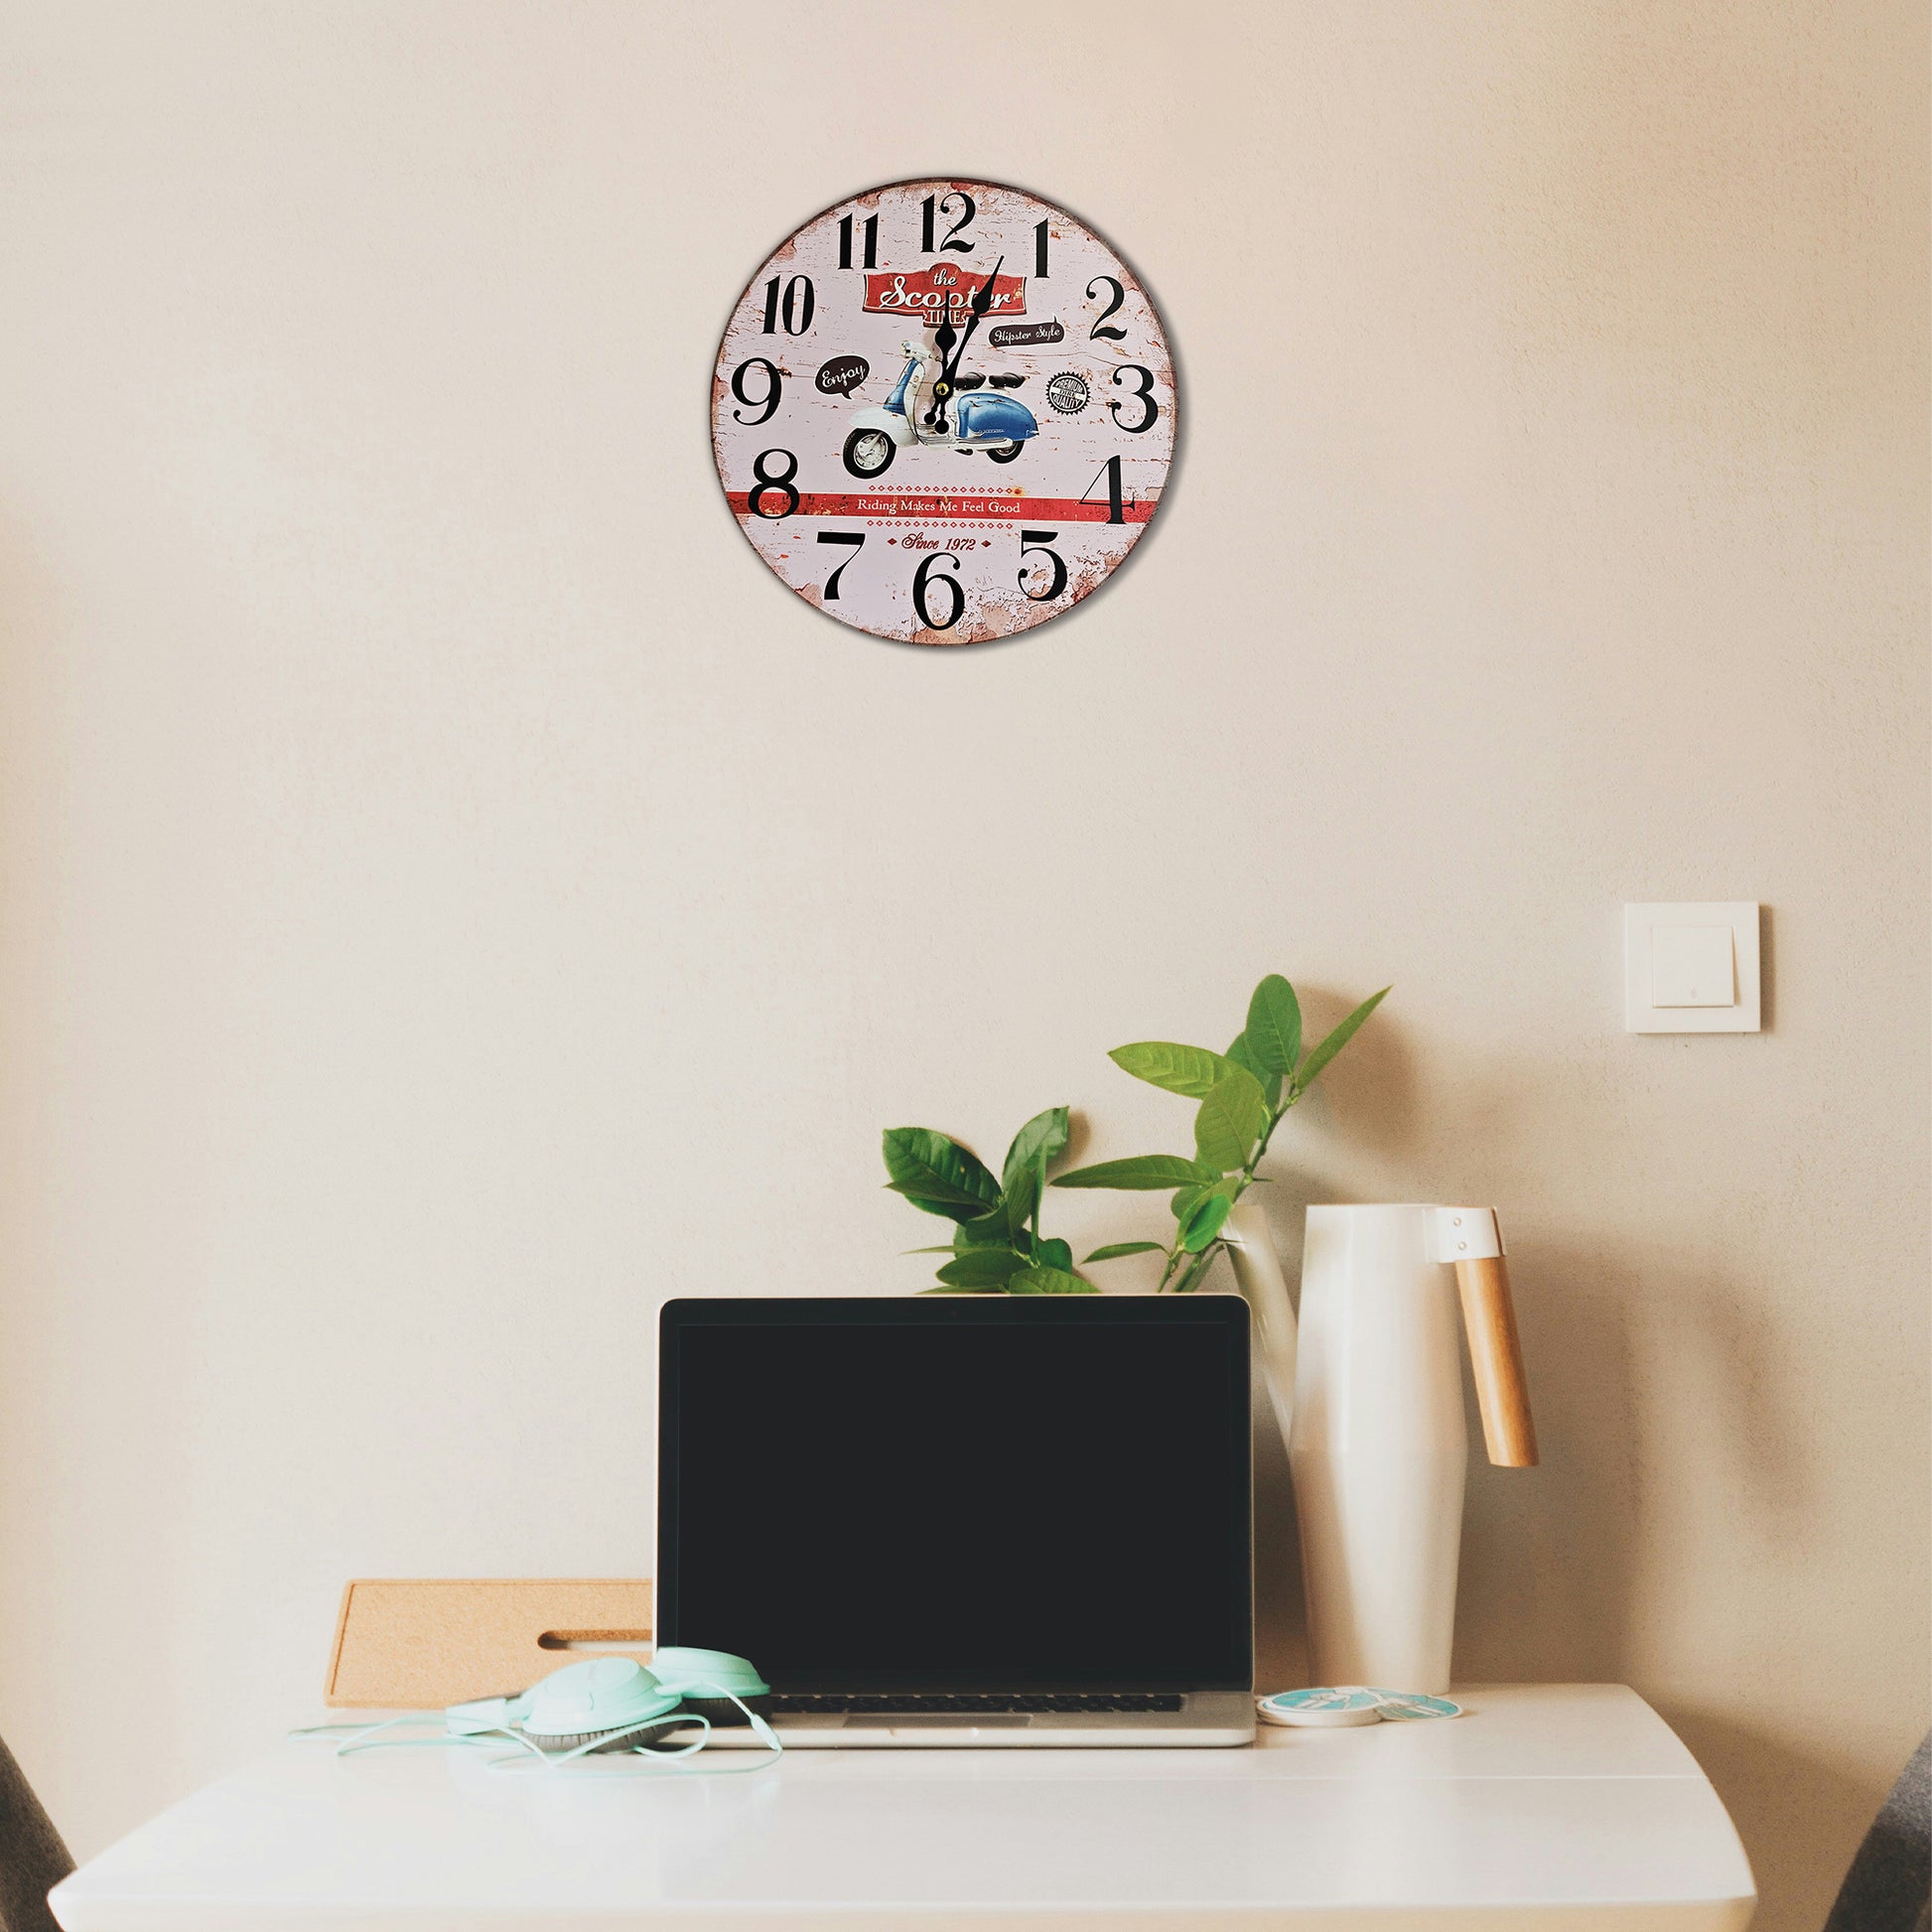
(1691, 968)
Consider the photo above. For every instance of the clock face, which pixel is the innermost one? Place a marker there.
(944, 411)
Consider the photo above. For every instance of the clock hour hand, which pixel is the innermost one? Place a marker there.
(942, 390)
(944, 338)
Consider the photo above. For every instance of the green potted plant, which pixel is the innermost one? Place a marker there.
(997, 1246)
(1244, 1095)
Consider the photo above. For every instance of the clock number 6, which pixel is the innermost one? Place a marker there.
(782, 483)
(768, 402)
(855, 542)
(1145, 393)
(919, 577)
(1031, 541)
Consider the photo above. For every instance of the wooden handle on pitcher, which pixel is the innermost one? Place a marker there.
(1502, 1390)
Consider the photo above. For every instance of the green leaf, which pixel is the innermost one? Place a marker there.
(1230, 1121)
(1048, 1280)
(1274, 1029)
(1191, 1071)
(1042, 1136)
(1242, 1055)
(1114, 1250)
(1186, 1200)
(1054, 1254)
(1197, 1270)
(984, 1231)
(1305, 1073)
(951, 1248)
(936, 1197)
(1203, 1224)
(1144, 1172)
(937, 1175)
(982, 1268)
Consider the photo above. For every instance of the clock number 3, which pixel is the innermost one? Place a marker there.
(854, 540)
(1145, 393)
(782, 482)
(1034, 543)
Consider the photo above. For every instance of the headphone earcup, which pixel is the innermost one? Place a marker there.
(613, 1740)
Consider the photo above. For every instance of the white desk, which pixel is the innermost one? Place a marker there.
(1549, 1807)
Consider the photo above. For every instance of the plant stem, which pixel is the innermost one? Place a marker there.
(1275, 1115)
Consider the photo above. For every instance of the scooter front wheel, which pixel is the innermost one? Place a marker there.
(868, 452)
(1007, 454)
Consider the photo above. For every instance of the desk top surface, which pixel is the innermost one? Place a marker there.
(1546, 1805)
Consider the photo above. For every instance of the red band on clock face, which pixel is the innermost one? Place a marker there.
(944, 411)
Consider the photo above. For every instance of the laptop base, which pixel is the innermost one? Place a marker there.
(1205, 1719)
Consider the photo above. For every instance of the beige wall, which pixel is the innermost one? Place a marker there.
(454, 896)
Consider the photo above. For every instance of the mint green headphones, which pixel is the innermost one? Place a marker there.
(594, 1706)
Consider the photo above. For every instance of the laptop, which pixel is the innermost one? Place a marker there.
(964, 1520)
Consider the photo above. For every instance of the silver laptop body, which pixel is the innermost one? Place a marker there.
(960, 1522)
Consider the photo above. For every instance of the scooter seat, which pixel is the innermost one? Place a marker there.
(970, 380)
(1008, 382)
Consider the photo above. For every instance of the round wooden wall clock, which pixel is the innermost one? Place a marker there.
(944, 411)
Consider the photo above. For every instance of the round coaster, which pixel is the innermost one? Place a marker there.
(1400, 1706)
(1323, 1709)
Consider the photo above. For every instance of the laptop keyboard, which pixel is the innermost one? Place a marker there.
(887, 1706)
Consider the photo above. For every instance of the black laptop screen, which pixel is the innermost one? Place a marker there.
(959, 1494)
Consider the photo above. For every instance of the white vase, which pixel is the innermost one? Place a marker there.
(1258, 1275)
(1378, 1447)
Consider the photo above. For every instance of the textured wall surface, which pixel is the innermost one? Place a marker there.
(454, 896)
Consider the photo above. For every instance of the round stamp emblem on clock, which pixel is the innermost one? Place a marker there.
(944, 411)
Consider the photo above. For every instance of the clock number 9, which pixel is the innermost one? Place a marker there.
(782, 482)
(1145, 393)
(768, 402)
(1037, 540)
(919, 577)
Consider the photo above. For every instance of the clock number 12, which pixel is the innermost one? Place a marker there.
(927, 225)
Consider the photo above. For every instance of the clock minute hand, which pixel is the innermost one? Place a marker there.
(981, 301)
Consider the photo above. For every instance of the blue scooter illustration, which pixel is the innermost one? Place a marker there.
(972, 412)
(963, 412)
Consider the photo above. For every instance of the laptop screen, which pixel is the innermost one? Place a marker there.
(959, 1493)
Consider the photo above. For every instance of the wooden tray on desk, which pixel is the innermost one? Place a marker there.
(420, 1643)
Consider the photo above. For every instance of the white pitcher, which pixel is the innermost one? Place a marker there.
(1377, 1444)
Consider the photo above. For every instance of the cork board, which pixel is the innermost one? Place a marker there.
(417, 1644)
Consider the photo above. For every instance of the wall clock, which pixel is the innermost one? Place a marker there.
(944, 411)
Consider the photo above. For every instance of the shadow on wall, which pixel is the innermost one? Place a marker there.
(1800, 1815)
(1566, 1570)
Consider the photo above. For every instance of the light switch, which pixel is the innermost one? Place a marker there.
(1691, 966)
(1691, 969)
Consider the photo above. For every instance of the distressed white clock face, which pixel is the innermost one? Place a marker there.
(944, 411)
